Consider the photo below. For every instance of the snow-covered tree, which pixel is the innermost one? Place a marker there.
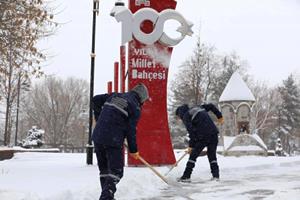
(228, 64)
(201, 78)
(58, 106)
(22, 24)
(265, 111)
(34, 138)
(289, 116)
(192, 83)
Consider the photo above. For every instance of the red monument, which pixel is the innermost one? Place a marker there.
(149, 54)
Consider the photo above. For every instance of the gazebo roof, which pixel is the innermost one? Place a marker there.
(236, 90)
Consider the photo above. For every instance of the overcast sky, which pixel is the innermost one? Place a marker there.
(266, 33)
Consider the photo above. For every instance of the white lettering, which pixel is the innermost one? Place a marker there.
(140, 2)
(134, 74)
(142, 63)
(148, 75)
(140, 52)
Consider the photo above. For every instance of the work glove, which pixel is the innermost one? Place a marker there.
(221, 120)
(189, 150)
(135, 155)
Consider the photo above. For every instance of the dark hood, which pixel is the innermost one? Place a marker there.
(181, 110)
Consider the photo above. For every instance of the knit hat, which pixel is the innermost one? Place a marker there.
(142, 92)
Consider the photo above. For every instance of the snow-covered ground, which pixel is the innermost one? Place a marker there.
(57, 176)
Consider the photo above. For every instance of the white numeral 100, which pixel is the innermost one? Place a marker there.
(131, 25)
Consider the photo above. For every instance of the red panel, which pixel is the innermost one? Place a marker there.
(109, 87)
(158, 5)
(116, 77)
(153, 135)
(123, 67)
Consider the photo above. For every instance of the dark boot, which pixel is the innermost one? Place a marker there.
(184, 179)
(107, 195)
(215, 179)
(214, 169)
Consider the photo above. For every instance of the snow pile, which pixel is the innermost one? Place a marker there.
(228, 141)
(5, 148)
(260, 141)
(244, 143)
(246, 148)
(21, 149)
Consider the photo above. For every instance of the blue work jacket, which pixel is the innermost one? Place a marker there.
(117, 115)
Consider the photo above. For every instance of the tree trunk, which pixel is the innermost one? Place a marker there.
(7, 130)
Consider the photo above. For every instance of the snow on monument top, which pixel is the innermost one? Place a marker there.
(236, 90)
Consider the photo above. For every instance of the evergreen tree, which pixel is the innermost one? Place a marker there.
(33, 138)
(289, 112)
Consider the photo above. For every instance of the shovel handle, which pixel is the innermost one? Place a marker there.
(152, 168)
(175, 165)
